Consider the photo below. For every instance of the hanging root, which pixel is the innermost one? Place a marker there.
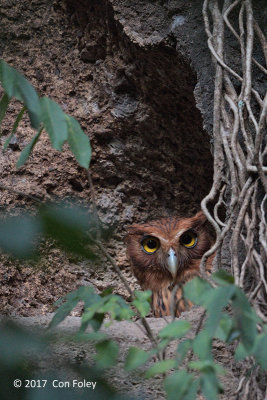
(239, 188)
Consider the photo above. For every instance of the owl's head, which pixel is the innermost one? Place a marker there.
(161, 250)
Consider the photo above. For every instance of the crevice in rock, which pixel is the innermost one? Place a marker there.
(150, 149)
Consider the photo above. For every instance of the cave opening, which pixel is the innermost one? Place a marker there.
(151, 157)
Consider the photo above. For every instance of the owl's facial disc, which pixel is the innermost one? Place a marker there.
(172, 262)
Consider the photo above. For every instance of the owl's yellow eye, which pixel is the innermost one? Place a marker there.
(150, 244)
(189, 239)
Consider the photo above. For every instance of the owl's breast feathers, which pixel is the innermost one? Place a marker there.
(162, 303)
(163, 299)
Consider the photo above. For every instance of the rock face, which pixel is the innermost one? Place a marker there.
(137, 76)
(146, 127)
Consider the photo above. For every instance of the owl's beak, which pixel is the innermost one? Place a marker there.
(172, 262)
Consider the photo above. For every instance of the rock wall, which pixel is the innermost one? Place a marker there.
(132, 73)
(151, 154)
(138, 76)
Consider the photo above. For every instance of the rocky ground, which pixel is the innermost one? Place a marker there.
(127, 335)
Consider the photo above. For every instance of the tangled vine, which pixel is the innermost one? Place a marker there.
(239, 132)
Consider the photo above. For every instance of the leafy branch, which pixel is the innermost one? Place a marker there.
(45, 114)
(228, 315)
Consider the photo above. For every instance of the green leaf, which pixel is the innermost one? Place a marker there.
(216, 300)
(225, 328)
(260, 352)
(143, 295)
(142, 302)
(175, 330)
(107, 353)
(178, 385)
(90, 311)
(63, 311)
(117, 307)
(79, 142)
(221, 277)
(143, 308)
(245, 318)
(18, 344)
(55, 124)
(183, 348)
(135, 358)
(197, 290)
(160, 368)
(106, 292)
(18, 235)
(241, 352)
(16, 85)
(191, 393)
(24, 155)
(15, 127)
(112, 304)
(3, 106)
(68, 225)
(84, 293)
(206, 366)
(161, 345)
(234, 334)
(210, 386)
(202, 345)
(95, 322)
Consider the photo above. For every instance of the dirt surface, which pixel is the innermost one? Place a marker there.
(133, 93)
(127, 335)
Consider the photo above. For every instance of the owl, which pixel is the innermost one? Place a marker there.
(165, 254)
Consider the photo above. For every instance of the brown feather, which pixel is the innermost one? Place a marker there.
(151, 269)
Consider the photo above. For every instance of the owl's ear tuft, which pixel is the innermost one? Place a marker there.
(132, 230)
(199, 220)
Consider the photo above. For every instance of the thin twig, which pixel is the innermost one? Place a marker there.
(199, 326)
(129, 290)
(95, 212)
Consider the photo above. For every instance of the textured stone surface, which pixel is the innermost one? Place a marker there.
(138, 76)
(124, 70)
